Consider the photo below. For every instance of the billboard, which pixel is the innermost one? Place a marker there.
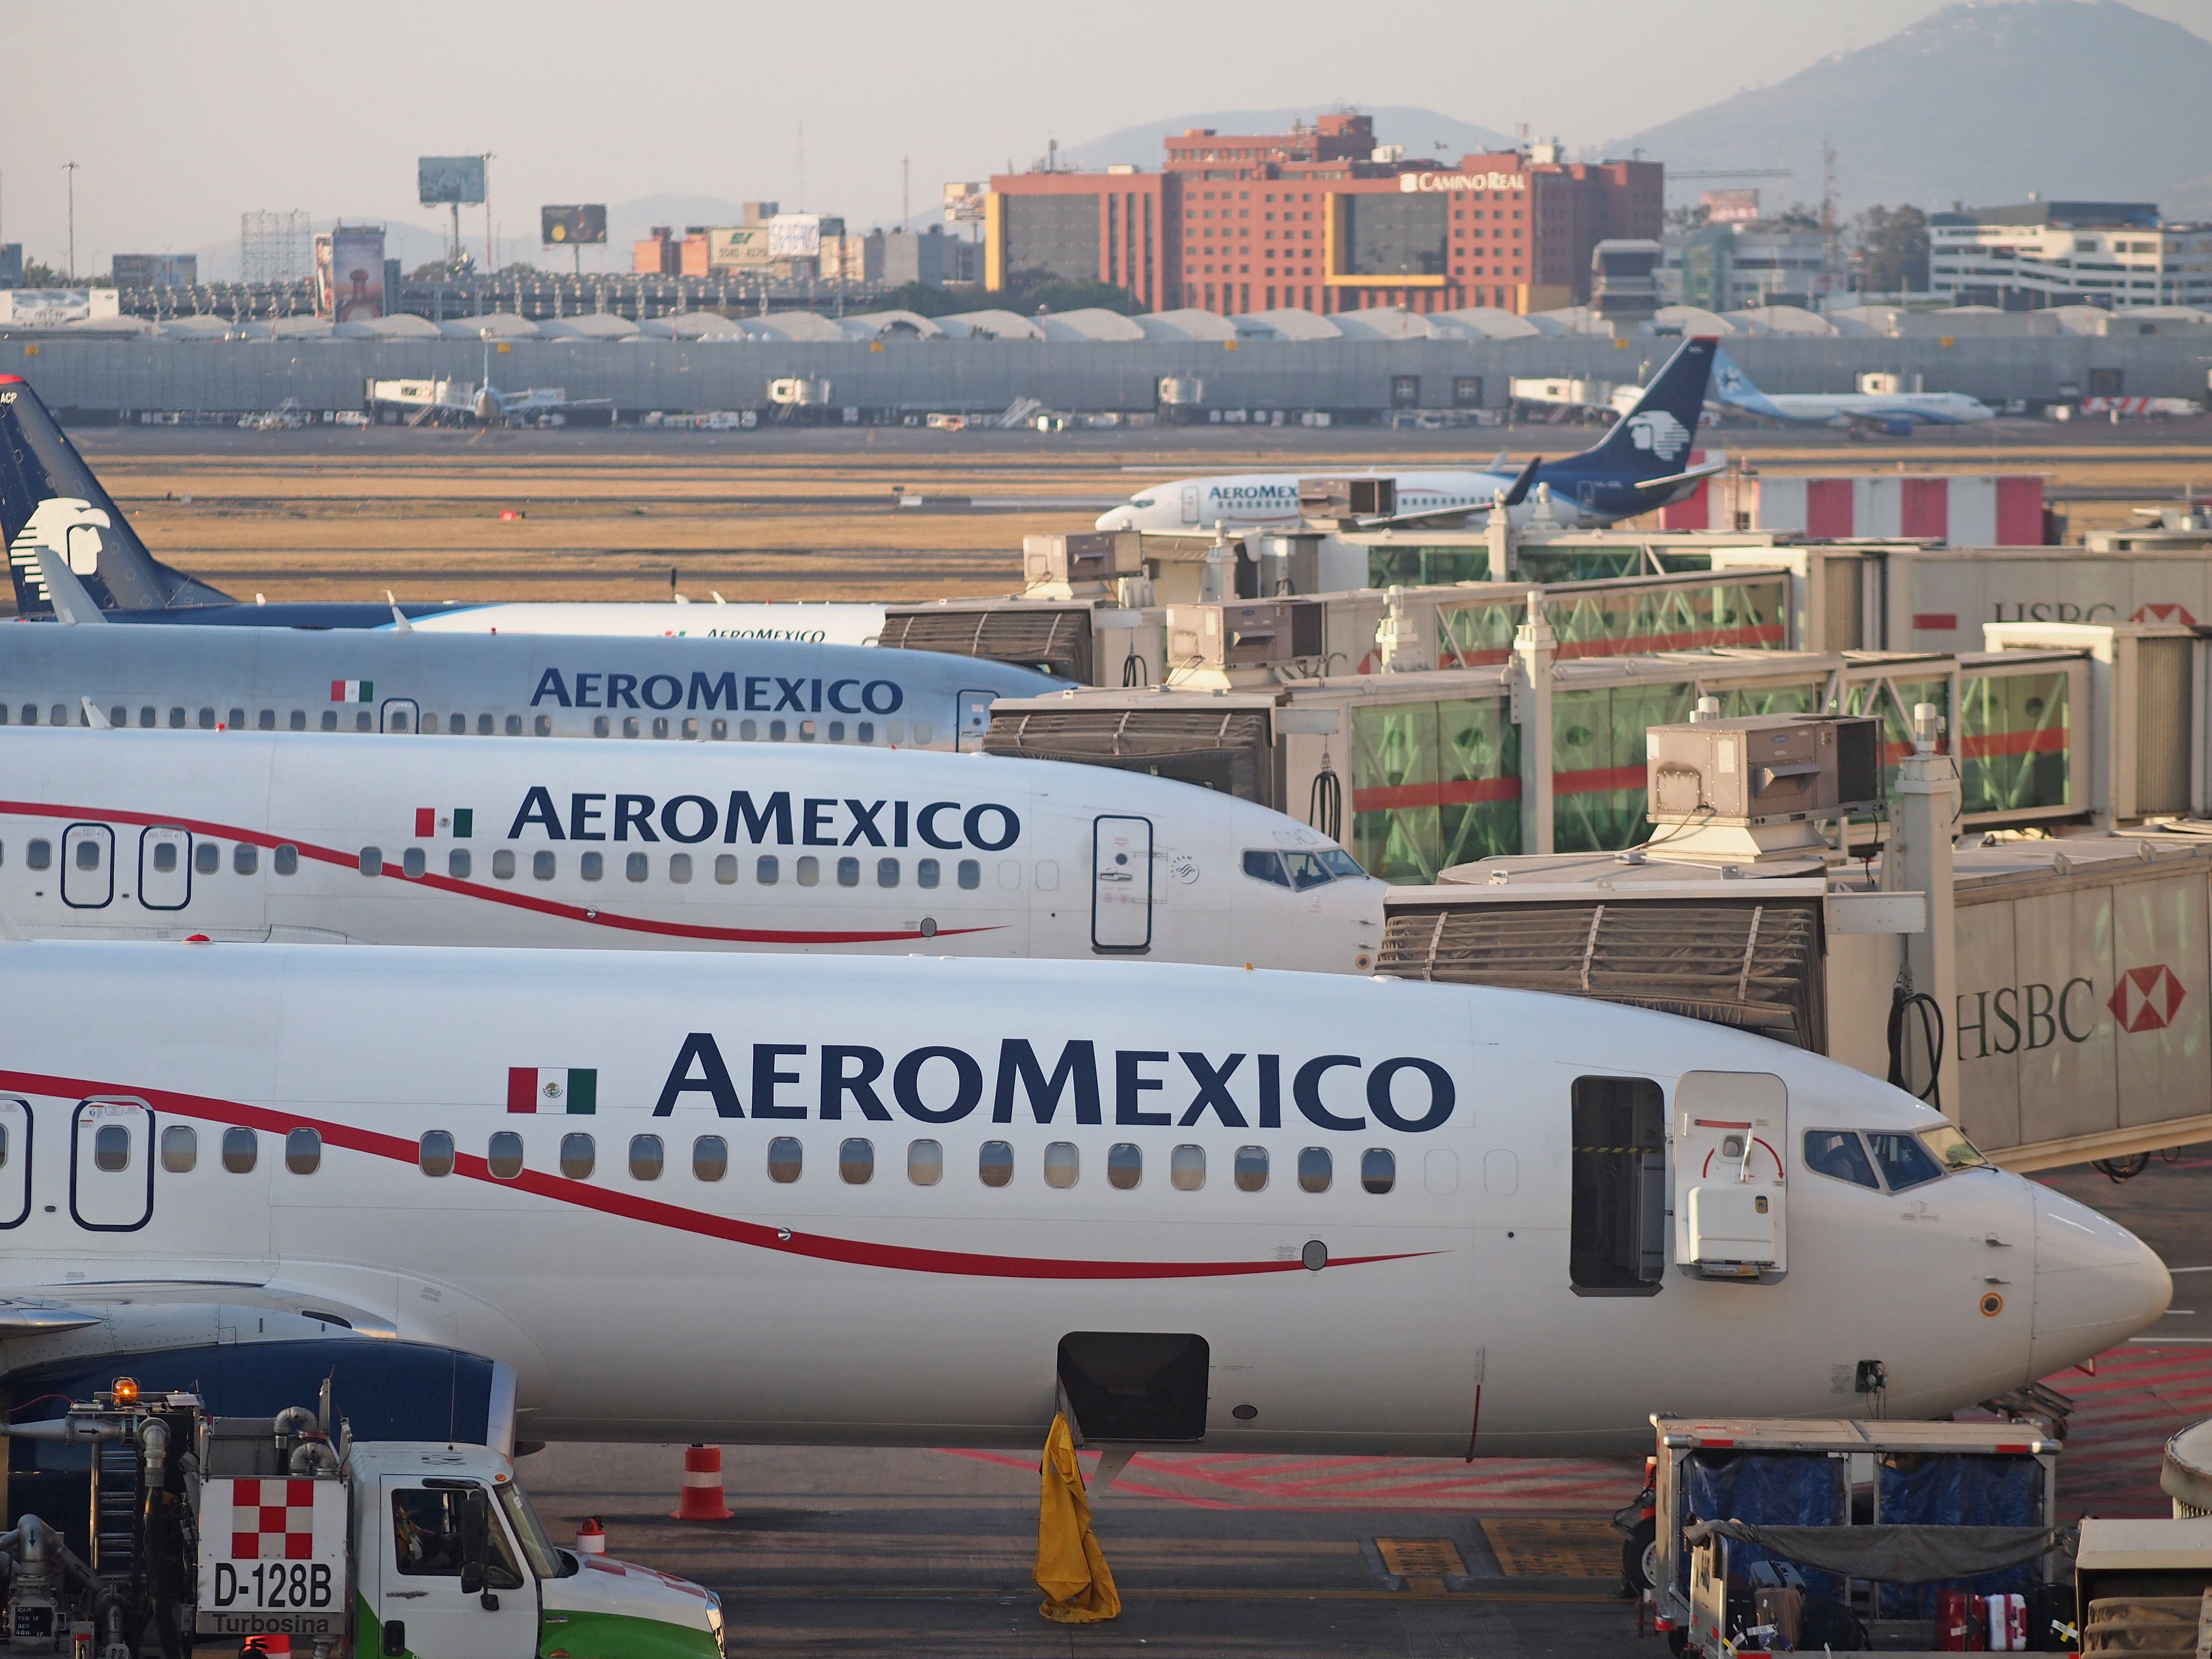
(737, 247)
(442, 178)
(155, 269)
(1730, 207)
(963, 203)
(586, 223)
(350, 273)
(799, 235)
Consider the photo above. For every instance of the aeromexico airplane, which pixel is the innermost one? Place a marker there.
(1642, 464)
(1892, 413)
(303, 679)
(477, 841)
(50, 499)
(613, 1196)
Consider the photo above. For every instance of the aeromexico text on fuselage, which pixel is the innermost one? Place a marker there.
(764, 694)
(944, 1083)
(811, 821)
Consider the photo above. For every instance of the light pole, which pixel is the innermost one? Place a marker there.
(69, 169)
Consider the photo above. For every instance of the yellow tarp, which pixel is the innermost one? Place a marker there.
(1071, 1570)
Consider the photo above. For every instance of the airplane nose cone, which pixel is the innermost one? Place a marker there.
(1117, 519)
(2096, 1283)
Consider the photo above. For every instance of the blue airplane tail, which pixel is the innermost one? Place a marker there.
(1733, 386)
(1652, 441)
(49, 498)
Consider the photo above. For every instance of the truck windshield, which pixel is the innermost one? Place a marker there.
(523, 1519)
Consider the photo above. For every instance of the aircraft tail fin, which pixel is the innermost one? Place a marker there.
(1653, 439)
(50, 499)
(1732, 385)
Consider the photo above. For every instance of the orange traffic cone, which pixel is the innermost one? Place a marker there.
(703, 1485)
(590, 1537)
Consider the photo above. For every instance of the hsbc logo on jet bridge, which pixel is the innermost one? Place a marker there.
(1149, 1088)
(775, 819)
(761, 694)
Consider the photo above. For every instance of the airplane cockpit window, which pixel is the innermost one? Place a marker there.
(1301, 870)
(1265, 867)
(1903, 1161)
(1953, 1150)
(1838, 1153)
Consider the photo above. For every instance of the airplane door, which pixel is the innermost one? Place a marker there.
(398, 715)
(15, 1162)
(451, 1577)
(972, 718)
(1190, 503)
(87, 866)
(1731, 1138)
(112, 1165)
(165, 868)
(1120, 884)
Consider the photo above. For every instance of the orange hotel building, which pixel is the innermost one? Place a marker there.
(1313, 221)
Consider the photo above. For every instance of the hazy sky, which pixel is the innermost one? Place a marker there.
(183, 116)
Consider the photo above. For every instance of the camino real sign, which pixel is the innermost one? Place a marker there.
(1411, 183)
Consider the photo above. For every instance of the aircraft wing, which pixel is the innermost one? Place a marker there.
(1704, 471)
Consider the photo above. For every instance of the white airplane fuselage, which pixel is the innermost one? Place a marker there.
(822, 623)
(1848, 408)
(417, 839)
(863, 1201)
(1265, 501)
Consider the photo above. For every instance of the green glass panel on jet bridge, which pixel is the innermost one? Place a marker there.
(1599, 786)
(2013, 741)
(1434, 784)
(1893, 700)
(1395, 564)
(1746, 701)
(1471, 636)
(1621, 621)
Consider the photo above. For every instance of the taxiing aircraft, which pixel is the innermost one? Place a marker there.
(302, 679)
(238, 835)
(1642, 464)
(1890, 414)
(51, 501)
(610, 1195)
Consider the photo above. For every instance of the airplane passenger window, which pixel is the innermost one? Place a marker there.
(787, 1159)
(646, 1157)
(719, 729)
(924, 873)
(856, 1161)
(690, 730)
(600, 726)
(1378, 1170)
(118, 715)
(748, 730)
(994, 1163)
(629, 726)
(765, 872)
(207, 858)
(1125, 1165)
(241, 1150)
(1903, 1161)
(776, 729)
(146, 716)
(544, 726)
(415, 861)
(836, 731)
(303, 1150)
(88, 854)
(165, 857)
(540, 865)
(457, 725)
(434, 1153)
(1617, 1231)
(372, 859)
(486, 726)
(245, 858)
(267, 720)
(514, 726)
(1251, 1170)
(660, 727)
(286, 860)
(503, 1154)
(458, 863)
(1838, 1153)
(894, 731)
(848, 871)
(579, 1157)
(1265, 867)
(299, 719)
(887, 873)
(38, 853)
(363, 720)
(726, 869)
(1009, 873)
(427, 726)
(809, 871)
(1315, 1169)
(922, 734)
(1186, 1168)
(111, 1148)
(867, 732)
(330, 718)
(679, 867)
(637, 867)
(971, 874)
(592, 866)
(176, 720)
(710, 1157)
(207, 719)
(925, 1162)
(806, 731)
(180, 1149)
(1062, 1164)
(1048, 875)
(236, 722)
(502, 865)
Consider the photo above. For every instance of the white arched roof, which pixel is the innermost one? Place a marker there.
(1090, 323)
(1383, 323)
(1781, 319)
(1294, 325)
(990, 325)
(1694, 320)
(713, 325)
(301, 328)
(875, 324)
(202, 328)
(400, 326)
(1486, 322)
(1189, 324)
(492, 324)
(592, 325)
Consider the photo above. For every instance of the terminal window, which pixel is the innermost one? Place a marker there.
(1056, 235)
(1393, 236)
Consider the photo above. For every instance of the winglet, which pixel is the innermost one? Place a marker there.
(95, 717)
(72, 604)
(1519, 490)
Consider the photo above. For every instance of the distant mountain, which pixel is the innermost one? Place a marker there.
(1980, 103)
(1422, 131)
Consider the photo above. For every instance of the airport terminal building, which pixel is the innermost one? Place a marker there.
(1322, 219)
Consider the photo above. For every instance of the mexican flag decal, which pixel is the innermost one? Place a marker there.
(353, 690)
(552, 1089)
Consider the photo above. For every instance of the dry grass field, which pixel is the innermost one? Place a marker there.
(809, 514)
